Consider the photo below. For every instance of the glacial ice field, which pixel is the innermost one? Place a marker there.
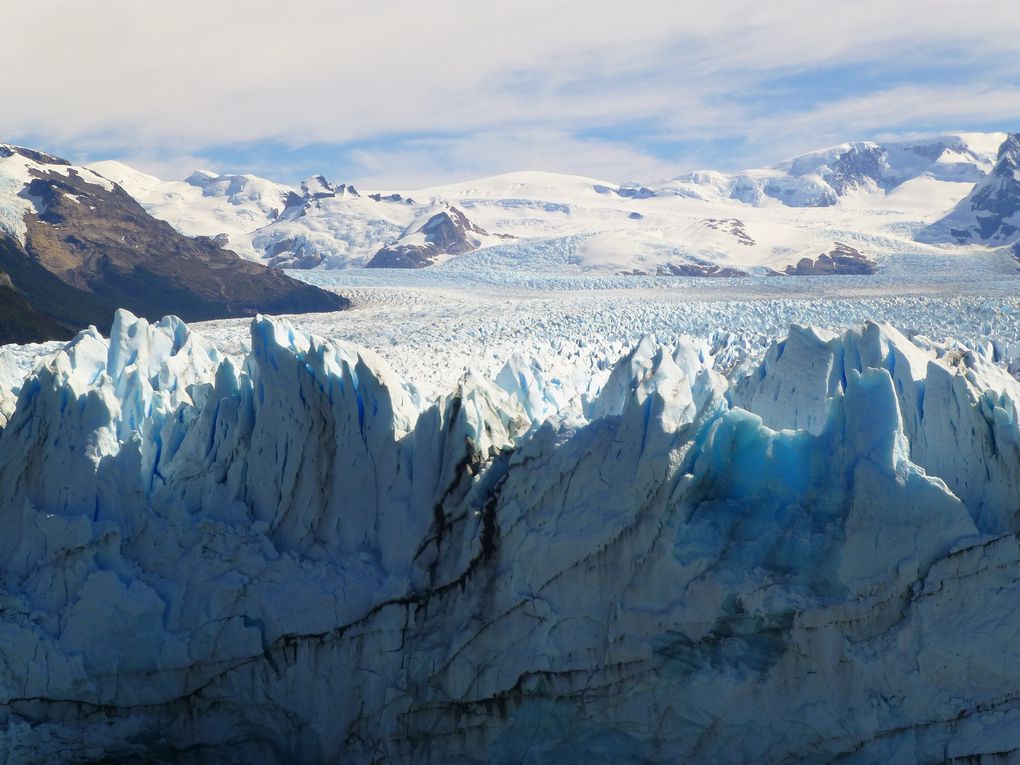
(436, 324)
(530, 519)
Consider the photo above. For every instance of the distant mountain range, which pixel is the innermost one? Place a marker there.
(78, 242)
(74, 247)
(863, 201)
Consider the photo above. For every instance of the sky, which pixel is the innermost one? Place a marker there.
(397, 94)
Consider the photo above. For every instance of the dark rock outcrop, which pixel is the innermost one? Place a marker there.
(698, 269)
(842, 260)
(732, 226)
(446, 233)
(317, 187)
(41, 157)
(855, 168)
(403, 256)
(90, 250)
(627, 192)
(390, 198)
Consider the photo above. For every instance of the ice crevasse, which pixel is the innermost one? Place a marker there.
(293, 558)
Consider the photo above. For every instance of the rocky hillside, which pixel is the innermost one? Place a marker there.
(448, 232)
(76, 247)
(20, 321)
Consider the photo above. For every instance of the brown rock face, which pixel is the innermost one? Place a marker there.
(446, 233)
(698, 269)
(404, 256)
(840, 260)
(89, 251)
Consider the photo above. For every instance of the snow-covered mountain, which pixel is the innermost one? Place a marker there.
(990, 214)
(878, 199)
(205, 204)
(74, 247)
(318, 223)
(823, 178)
(293, 557)
(447, 232)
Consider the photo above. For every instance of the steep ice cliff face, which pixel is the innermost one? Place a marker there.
(959, 410)
(294, 558)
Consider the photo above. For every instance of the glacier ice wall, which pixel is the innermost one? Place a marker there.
(293, 559)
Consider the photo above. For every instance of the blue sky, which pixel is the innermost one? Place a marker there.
(397, 94)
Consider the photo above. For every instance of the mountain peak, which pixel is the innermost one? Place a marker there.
(1010, 149)
(990, 214)
(201, 177)
(39, 157)
(76, 247)
(318, 187)
(446, 232)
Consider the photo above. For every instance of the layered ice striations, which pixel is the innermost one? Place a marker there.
(294, 558)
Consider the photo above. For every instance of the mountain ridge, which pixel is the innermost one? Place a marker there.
(77, 247)
(873, 196)
(990, 214)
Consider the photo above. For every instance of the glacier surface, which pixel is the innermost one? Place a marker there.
(676, 547)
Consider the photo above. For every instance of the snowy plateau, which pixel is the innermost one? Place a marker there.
(516, 505)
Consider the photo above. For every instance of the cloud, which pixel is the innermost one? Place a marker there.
(166, 166)
(903, 109)
(419, 163)
(158, 78)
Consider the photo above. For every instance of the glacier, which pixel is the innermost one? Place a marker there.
(704, 550)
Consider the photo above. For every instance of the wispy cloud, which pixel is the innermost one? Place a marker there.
(672, 83)
(423, 162)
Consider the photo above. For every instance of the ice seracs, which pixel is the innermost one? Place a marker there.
(959, 412)
(294, 557)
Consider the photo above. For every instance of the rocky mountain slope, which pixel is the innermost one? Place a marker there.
(990, 214)
(824, 178)
(317, 223)
(296, 559)
(878, 199)
(76, 247)
(447, 232)
(20, 321)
